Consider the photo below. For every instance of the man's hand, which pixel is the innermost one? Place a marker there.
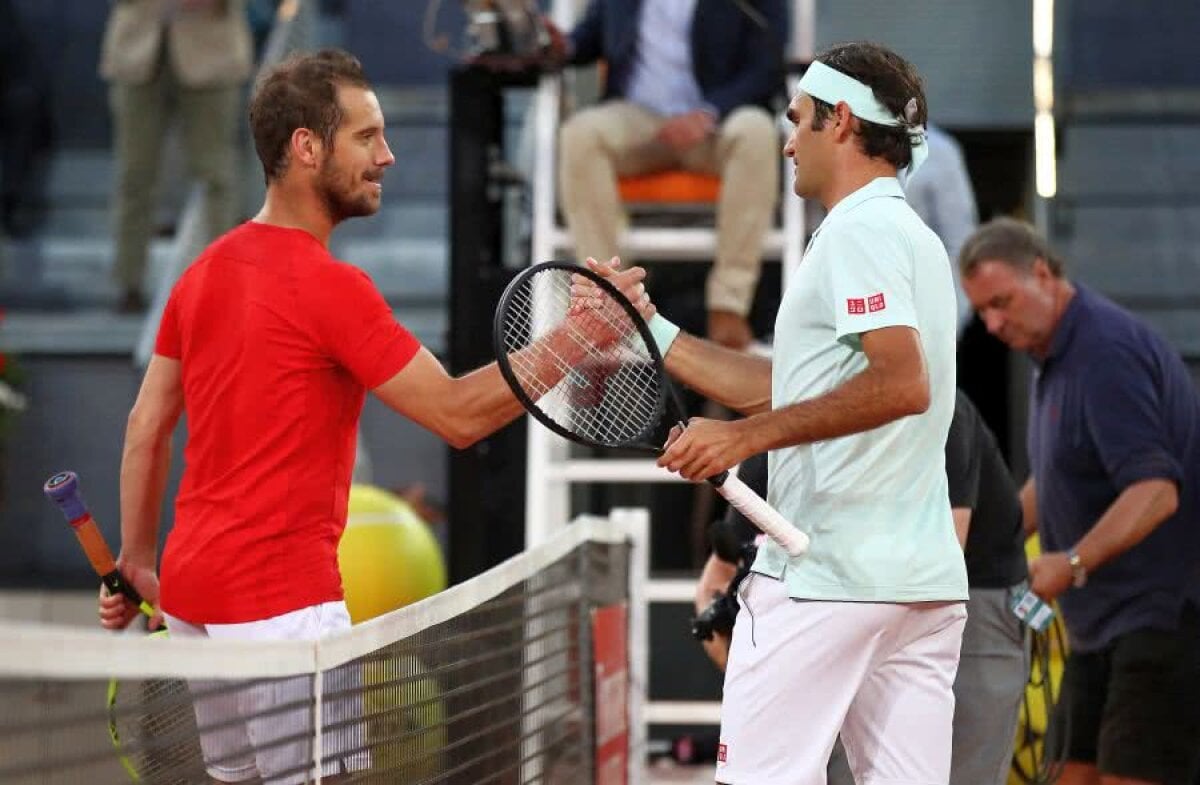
(628, 282)
(687, 130)
(706, 448)
(729, 329)
(717, 649)
(601, 317)
(1050, 575)
(556, 51)
(116, 611)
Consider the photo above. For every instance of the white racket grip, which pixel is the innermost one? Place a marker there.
(763, 515)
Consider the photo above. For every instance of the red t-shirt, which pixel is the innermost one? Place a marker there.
(278, 344)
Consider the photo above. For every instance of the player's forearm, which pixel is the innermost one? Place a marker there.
(481, 403)
(737, 380)
(962, 524)
(145, 464)
(865, 401)
(1139, 510)
(544, 363)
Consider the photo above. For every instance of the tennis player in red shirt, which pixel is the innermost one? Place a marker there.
(269, 344)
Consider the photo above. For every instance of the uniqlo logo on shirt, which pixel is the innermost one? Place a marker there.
(722, 753)
(875, 303)
(856, 305)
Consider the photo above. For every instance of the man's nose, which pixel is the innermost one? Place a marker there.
(386, 159)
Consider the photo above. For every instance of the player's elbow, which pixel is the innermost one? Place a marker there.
(460, 439)
(456, 432)
(920, 399)
(1168, 498)
(912, 397)
(463, 431)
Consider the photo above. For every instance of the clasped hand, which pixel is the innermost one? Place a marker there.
(704, 448)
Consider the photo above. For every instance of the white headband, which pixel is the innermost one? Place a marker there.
(832, 86)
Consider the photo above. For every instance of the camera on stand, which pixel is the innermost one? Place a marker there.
(717, 618)
(730, 544)
(511, 28)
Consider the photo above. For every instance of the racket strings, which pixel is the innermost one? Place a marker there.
(611, 396)
(581, 411)
(157, 730)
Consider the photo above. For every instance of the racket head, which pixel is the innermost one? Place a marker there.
(633, 363)
(152, 726)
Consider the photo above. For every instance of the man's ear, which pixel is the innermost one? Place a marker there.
(843, 121)
(305, 148)
(1041, 270)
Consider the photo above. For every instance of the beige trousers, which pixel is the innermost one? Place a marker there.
(141, 114)
(616, 139)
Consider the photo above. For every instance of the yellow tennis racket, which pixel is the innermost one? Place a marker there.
(150, 722)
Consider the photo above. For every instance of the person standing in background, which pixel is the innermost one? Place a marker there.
(1114, 494)
(164, 59)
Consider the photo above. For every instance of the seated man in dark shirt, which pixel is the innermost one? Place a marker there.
(994, 665)
(1114, 445)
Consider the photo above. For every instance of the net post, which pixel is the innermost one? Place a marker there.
(636, 521)
(586, 646)
(318, 720)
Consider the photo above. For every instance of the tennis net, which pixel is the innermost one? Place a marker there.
(520, 675)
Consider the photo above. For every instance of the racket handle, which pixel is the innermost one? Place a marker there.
(63, 490)
(761, 514)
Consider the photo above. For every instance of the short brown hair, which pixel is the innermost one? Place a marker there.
(300, 92)
(894, 81)
(1008, 240)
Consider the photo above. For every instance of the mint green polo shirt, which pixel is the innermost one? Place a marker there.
(875, 504)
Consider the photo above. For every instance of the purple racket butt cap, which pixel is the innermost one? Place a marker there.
(63, 490)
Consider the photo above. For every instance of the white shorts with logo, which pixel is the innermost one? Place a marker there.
(264, 729)
(800, 672)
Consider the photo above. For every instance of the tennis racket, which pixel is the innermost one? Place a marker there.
(582, 361)
(150, 722)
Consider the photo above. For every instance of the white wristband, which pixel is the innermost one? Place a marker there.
(664, 332)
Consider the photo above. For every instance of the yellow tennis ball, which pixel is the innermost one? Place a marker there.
(388, 556)
(405, 717)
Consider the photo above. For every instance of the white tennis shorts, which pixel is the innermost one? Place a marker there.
(264, 728)
(801, 671)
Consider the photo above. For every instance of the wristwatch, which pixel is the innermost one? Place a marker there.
(1078, 571)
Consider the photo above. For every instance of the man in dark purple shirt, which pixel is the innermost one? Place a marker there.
(1114, 443)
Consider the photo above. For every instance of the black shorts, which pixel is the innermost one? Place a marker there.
(1133, 708)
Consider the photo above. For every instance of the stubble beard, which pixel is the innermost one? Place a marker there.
(336, 190)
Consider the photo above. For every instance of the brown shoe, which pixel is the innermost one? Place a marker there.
(729, 329)
(132, 301)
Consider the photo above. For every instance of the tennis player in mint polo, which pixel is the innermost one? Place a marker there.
(860, 635)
